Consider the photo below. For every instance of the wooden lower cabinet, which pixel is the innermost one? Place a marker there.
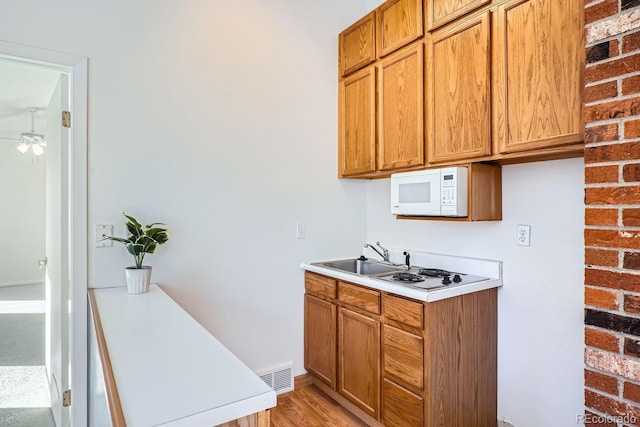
(395, 361)
(359, 360)
(320, 339)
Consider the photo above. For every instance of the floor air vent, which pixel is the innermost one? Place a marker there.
(279, 378)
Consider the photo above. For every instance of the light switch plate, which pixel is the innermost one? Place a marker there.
(102, 231)
(301, 230)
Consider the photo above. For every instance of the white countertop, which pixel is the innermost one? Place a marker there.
(169, 370)
(481, 267)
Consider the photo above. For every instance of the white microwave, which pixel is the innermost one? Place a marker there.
(431, 192)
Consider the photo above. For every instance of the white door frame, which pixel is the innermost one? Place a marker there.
(76, 66)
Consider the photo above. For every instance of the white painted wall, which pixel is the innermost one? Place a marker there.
(218, 118)
(22, 201)
(540, 307)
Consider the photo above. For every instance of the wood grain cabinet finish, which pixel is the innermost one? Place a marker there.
(320, 286)
(538, 74)
(441, 12)
(399, 23)
(320, 331)
(400, 109)
(403, 313)
(359, 363)
(400, 407)
(357, 123)
(459, 107)
(356, 45)
(402, 356)
(461, 353)
(359, 297)
(418, 364)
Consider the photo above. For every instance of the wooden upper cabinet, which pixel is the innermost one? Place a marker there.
(357, 123)
(399, 23)
(538, 74)
(356, 45)
(459, 109)
(440, 12)
(400, 109)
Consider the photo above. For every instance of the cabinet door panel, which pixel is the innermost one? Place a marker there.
(539, 51)
(399, 23)
(356, 45)
(400, 407)
(439, 12)
(357, 121)
(359, 365)
(320, 339)
(400, 110)
(459, 81)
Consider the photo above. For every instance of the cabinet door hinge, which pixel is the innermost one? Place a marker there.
(66, 398)
(66, 119)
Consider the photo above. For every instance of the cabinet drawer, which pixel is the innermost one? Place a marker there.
(400, 407)
(404, 312)
(356, 296)
(320, 285)
(403, 357)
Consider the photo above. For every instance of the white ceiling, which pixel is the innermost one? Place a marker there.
(23, 86)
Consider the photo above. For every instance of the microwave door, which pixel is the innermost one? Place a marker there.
(417, 195)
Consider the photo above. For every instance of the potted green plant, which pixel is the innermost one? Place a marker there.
(141, 241)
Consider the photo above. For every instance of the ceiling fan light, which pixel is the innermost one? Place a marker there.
(37, 149)
(31, 136)
(23, 147)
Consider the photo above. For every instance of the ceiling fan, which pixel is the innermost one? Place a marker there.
(30, 139)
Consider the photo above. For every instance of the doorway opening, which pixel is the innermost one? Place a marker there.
(31, 291)
(43, 267)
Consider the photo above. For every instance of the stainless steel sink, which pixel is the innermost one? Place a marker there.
(363, 268)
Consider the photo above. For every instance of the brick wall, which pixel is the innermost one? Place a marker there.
(612, 214)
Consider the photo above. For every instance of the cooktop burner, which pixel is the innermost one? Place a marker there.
(407, 277)
(431, 278)
(434, 272)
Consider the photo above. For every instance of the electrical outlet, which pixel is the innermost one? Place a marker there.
(102, 231)
(301, 230)
(524, 235)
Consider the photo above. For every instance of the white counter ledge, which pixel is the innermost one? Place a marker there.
(168, 369)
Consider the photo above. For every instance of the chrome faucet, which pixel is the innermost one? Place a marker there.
(384, 254)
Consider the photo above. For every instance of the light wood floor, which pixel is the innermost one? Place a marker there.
(308, 406)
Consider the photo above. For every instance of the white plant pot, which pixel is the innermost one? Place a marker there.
(138, 279)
